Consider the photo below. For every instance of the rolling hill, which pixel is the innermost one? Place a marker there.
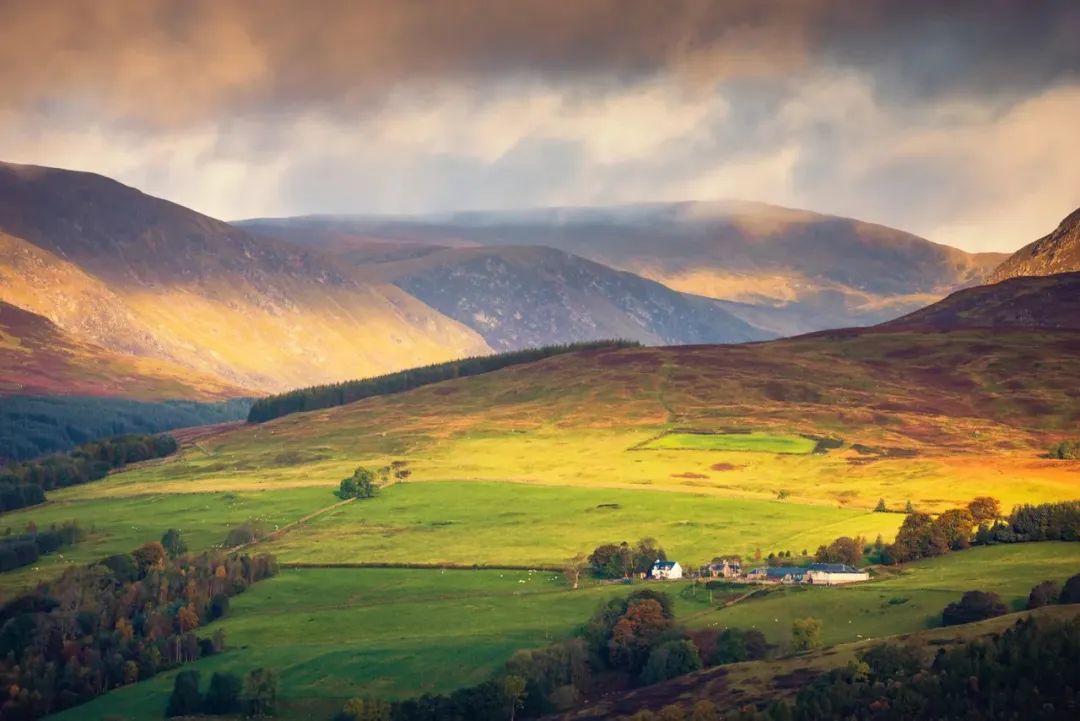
(1058, 252)
(1051, 301)
(783, 270)
(140, 275)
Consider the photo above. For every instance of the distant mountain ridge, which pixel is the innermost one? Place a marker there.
(783, 270)
(1057, 252)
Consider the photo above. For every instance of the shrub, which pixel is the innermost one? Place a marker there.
(1044, 594)
(223, 696)
(669, 660)
(974, 606)
(1070, 593)
(185, 699)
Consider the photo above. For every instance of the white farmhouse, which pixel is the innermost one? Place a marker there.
(666, 570)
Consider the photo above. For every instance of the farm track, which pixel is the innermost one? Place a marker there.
(290, 526)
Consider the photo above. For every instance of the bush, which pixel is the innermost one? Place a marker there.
(669, 660)
(1070, 592)
(185, 699)
(223, 696)
(1044, 594)
(974, 606)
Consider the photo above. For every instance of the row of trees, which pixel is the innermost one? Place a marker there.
(113, 623)
(31, 426)
(255, 696)
(338, 394)
(26, 548)
(622, 560)
(1066, 451)
(922, 536)
(88, 462)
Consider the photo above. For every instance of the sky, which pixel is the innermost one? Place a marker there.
(953, 120)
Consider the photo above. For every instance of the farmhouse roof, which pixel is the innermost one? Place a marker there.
(782, 571)
(664, 564)
(833, 568)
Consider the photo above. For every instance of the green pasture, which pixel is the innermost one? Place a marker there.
(906, 600)
(743, 442)
(333, 634)
(122, 523)
(510, 523)
(394, 633)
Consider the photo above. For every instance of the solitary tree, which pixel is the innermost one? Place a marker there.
(974, 606)
(361, 484)
(881, 507)
(909, 508)
(805, 634)
(575, 567)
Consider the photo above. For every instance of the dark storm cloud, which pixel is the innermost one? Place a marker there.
(174, 62)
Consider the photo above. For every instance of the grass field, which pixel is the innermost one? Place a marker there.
(121, 524)
(333, 634)
(336, 633)
(506, 523)
(746, 442)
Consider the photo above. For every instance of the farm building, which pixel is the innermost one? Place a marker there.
(833, 574)
(821, 574)
(778, 574)
(667, 570)
(723, 568)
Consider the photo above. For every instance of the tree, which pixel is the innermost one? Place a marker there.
(805, 634)
(173, 543)
(918, 537)
(1044, 594)
(514, 690)
(223, 695)
(647, 552)
(1070, 592)
(185, 699)
(909, 508)
(670, 660)
(365, 709)
(843, 550)
(361, 484)
(984, 509)
(881, 507)
(974, 606)
(634, 633)
(574, 568)
(260, 693)
(956, 526)
(149, 557)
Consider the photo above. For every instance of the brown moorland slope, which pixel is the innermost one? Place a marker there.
(1051, 301)
(1057, 252)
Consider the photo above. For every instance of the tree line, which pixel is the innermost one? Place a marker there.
(31, 426)
(113, 623)
(255, 696)
(24, 484)
(338, 394)
(23, 549)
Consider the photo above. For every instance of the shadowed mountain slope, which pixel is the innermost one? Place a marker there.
(1025, 302)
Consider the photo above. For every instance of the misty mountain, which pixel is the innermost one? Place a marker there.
(783, 270)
